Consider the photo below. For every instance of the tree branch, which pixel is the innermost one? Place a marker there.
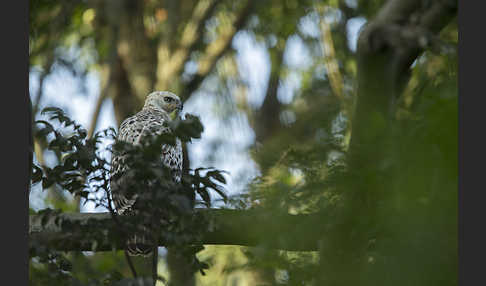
(124, 102)
(98, 231)
(215, 50)
(171, 65)
(31, 141)
(267, 120)
(133, 46)
(117, 83)
(40, 92)
(387, 47)
(97, 110)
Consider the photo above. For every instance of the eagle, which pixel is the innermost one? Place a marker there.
(137, 129)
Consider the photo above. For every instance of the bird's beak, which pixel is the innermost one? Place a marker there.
(180, 107)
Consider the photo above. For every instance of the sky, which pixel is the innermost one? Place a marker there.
(63, 89)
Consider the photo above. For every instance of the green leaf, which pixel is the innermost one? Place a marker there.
(47, 182)
(52, 109)
(36, 174)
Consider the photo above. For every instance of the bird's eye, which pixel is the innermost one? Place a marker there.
(167, 99)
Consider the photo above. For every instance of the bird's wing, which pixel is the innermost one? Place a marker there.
(134, 130)
(151, 128)
(129, 132)
(171, 155)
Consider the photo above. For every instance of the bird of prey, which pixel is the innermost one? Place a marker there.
(135, 130)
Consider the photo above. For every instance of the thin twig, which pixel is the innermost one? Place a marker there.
(155, 258)
(130, 264)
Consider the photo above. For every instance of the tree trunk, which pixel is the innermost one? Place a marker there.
(387, 46)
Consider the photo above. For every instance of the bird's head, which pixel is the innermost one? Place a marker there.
(164, 100)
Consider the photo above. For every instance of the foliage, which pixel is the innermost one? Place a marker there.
(410, 234)
(85, 172)
(392, 221)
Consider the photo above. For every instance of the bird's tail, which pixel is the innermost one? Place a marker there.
(139, 245)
